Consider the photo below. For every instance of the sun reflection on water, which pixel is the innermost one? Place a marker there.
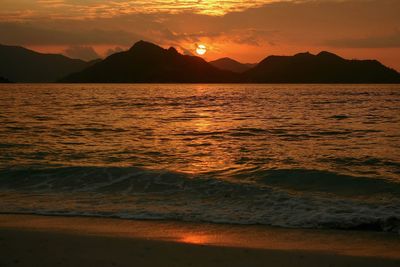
(195, 239)
(199, 128)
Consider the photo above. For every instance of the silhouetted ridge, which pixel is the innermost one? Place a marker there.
(4, 80)
(23, 65)
(173, 50)
(145, 46)
(148, 63)
(327, 54)
(227, 63)
(324, 67)
(303, 55)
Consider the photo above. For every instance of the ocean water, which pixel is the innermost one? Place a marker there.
(307, 156)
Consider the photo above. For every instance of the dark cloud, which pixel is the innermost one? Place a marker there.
(305, 22)
(387, 41)
(186, 51)
(29, 34)
(281, 27)
(254, 37)
(83, 52)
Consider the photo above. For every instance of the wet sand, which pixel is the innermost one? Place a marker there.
(76, 241)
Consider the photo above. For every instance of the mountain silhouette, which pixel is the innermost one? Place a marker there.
(322, 68)
(23, 65)
(145, 62)
(4, 80)
(148, 63)
(227, 63)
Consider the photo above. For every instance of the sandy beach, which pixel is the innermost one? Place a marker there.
(75, 241)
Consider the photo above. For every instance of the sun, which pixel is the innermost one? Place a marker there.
(201, 49)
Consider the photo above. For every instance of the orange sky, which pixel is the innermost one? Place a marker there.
(244, 30)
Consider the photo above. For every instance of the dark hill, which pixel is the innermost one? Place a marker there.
(4, 80)
(227, 63)
(322, 68)
(148, 63)
(23, 65)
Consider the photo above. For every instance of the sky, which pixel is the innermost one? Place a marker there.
(247, 30)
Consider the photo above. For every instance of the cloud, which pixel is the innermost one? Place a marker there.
(32, 34)
(80, 9)
(245, 29)
(277, 22)
(165, 34)
(254, 37)
(186, 51)
(83, 52)
(386, 41)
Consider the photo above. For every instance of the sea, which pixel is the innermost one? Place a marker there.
(296, 156)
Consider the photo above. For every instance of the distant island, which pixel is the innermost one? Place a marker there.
(4, 80)
(322, 68)
(146, 62)
(19, 64)
(227, 63)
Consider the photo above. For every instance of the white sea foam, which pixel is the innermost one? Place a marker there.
(148, 194)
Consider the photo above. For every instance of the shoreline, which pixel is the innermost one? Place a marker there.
(81, 241)
(362, 229)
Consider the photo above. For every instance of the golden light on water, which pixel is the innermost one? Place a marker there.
(195, 239)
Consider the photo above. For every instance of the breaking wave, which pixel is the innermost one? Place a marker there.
(287, 198)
